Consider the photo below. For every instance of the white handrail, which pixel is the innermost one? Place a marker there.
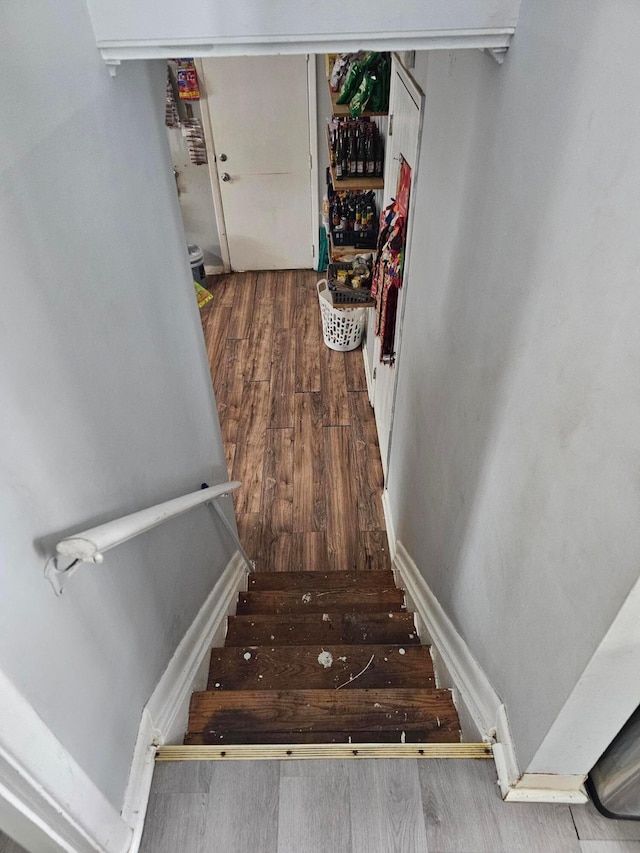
(88, 546)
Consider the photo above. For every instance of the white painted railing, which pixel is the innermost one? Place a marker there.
(88, 546)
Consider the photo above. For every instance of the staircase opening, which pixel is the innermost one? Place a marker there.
(322, 648)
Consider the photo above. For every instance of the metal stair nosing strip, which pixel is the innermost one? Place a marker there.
(282, 752)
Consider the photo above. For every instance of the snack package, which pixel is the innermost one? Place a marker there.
(358, 68)
(339, 71)
(188, 88)
(358, 103)
(351, 83)
(380, 97)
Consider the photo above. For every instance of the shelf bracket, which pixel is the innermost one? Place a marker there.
(497, 53)
(112, 65)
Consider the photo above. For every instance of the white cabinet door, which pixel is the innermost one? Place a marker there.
(259, 110)
(405, 120)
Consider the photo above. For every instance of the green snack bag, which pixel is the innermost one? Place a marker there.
(361, 98)
(351, 83)
(358, 68)
(379, 102)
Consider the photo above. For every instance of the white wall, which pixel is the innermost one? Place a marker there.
(106, 398)
(513, 476)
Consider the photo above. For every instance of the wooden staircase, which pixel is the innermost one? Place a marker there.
(320, 658)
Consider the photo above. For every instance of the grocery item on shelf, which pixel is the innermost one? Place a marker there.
(350, 282)
(356, 148)
(352, 218)
(362, 80)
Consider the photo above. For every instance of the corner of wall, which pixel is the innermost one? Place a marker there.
(474, 694)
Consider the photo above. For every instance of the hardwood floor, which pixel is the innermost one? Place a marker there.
(297, 427)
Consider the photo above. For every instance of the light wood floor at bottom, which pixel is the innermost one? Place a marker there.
(367, 806)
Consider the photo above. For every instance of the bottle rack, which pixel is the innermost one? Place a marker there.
(359, 183)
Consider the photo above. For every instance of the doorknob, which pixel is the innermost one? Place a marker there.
(225, 176)
(223, 157)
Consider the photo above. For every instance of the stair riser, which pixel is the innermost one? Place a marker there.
(432, 735)
(315, 629)
(313, 601)
(271, 581)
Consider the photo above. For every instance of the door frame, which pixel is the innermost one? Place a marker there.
(212, 164)
(371, 372)
(214, 176)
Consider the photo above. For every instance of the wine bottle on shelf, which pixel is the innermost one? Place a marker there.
(343, 154)
(379, 156)
(370, 156)
(335, 214)
(361, 155)
(358, 220)
(338, 156)
(353, 156)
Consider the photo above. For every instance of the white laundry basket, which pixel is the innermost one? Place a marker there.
(342, 328)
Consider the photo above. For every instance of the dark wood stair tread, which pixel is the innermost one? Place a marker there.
(434, 734)
(320, 601)
(320, 667)
(320, 580)
(217, 711)
(310, 629)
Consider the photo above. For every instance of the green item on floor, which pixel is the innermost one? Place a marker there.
(323, 251)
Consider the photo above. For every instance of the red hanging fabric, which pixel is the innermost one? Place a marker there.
(387, 274)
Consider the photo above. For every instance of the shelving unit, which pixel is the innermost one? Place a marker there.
(342, 110)
(362, 183)
(346, 253)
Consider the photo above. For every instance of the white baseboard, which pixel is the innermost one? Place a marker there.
(388, 521)
(218, 269)
(164, 717)
(548, 788)
(478, 695)
(367, 371)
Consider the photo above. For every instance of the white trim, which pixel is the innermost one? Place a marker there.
(136, 796)
(313, 154)
(119, 49)
(479, 697)
(388, 523)
(504, 753)
(50, 801)
(367, 367)
(212, 165)
(218, 269)
(417, 95)
(164, 717)
(547, 788)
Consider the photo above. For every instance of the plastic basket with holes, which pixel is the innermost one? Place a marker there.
(342, 328)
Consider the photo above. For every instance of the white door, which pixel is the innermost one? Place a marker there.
(259, 112)
(405, 124)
